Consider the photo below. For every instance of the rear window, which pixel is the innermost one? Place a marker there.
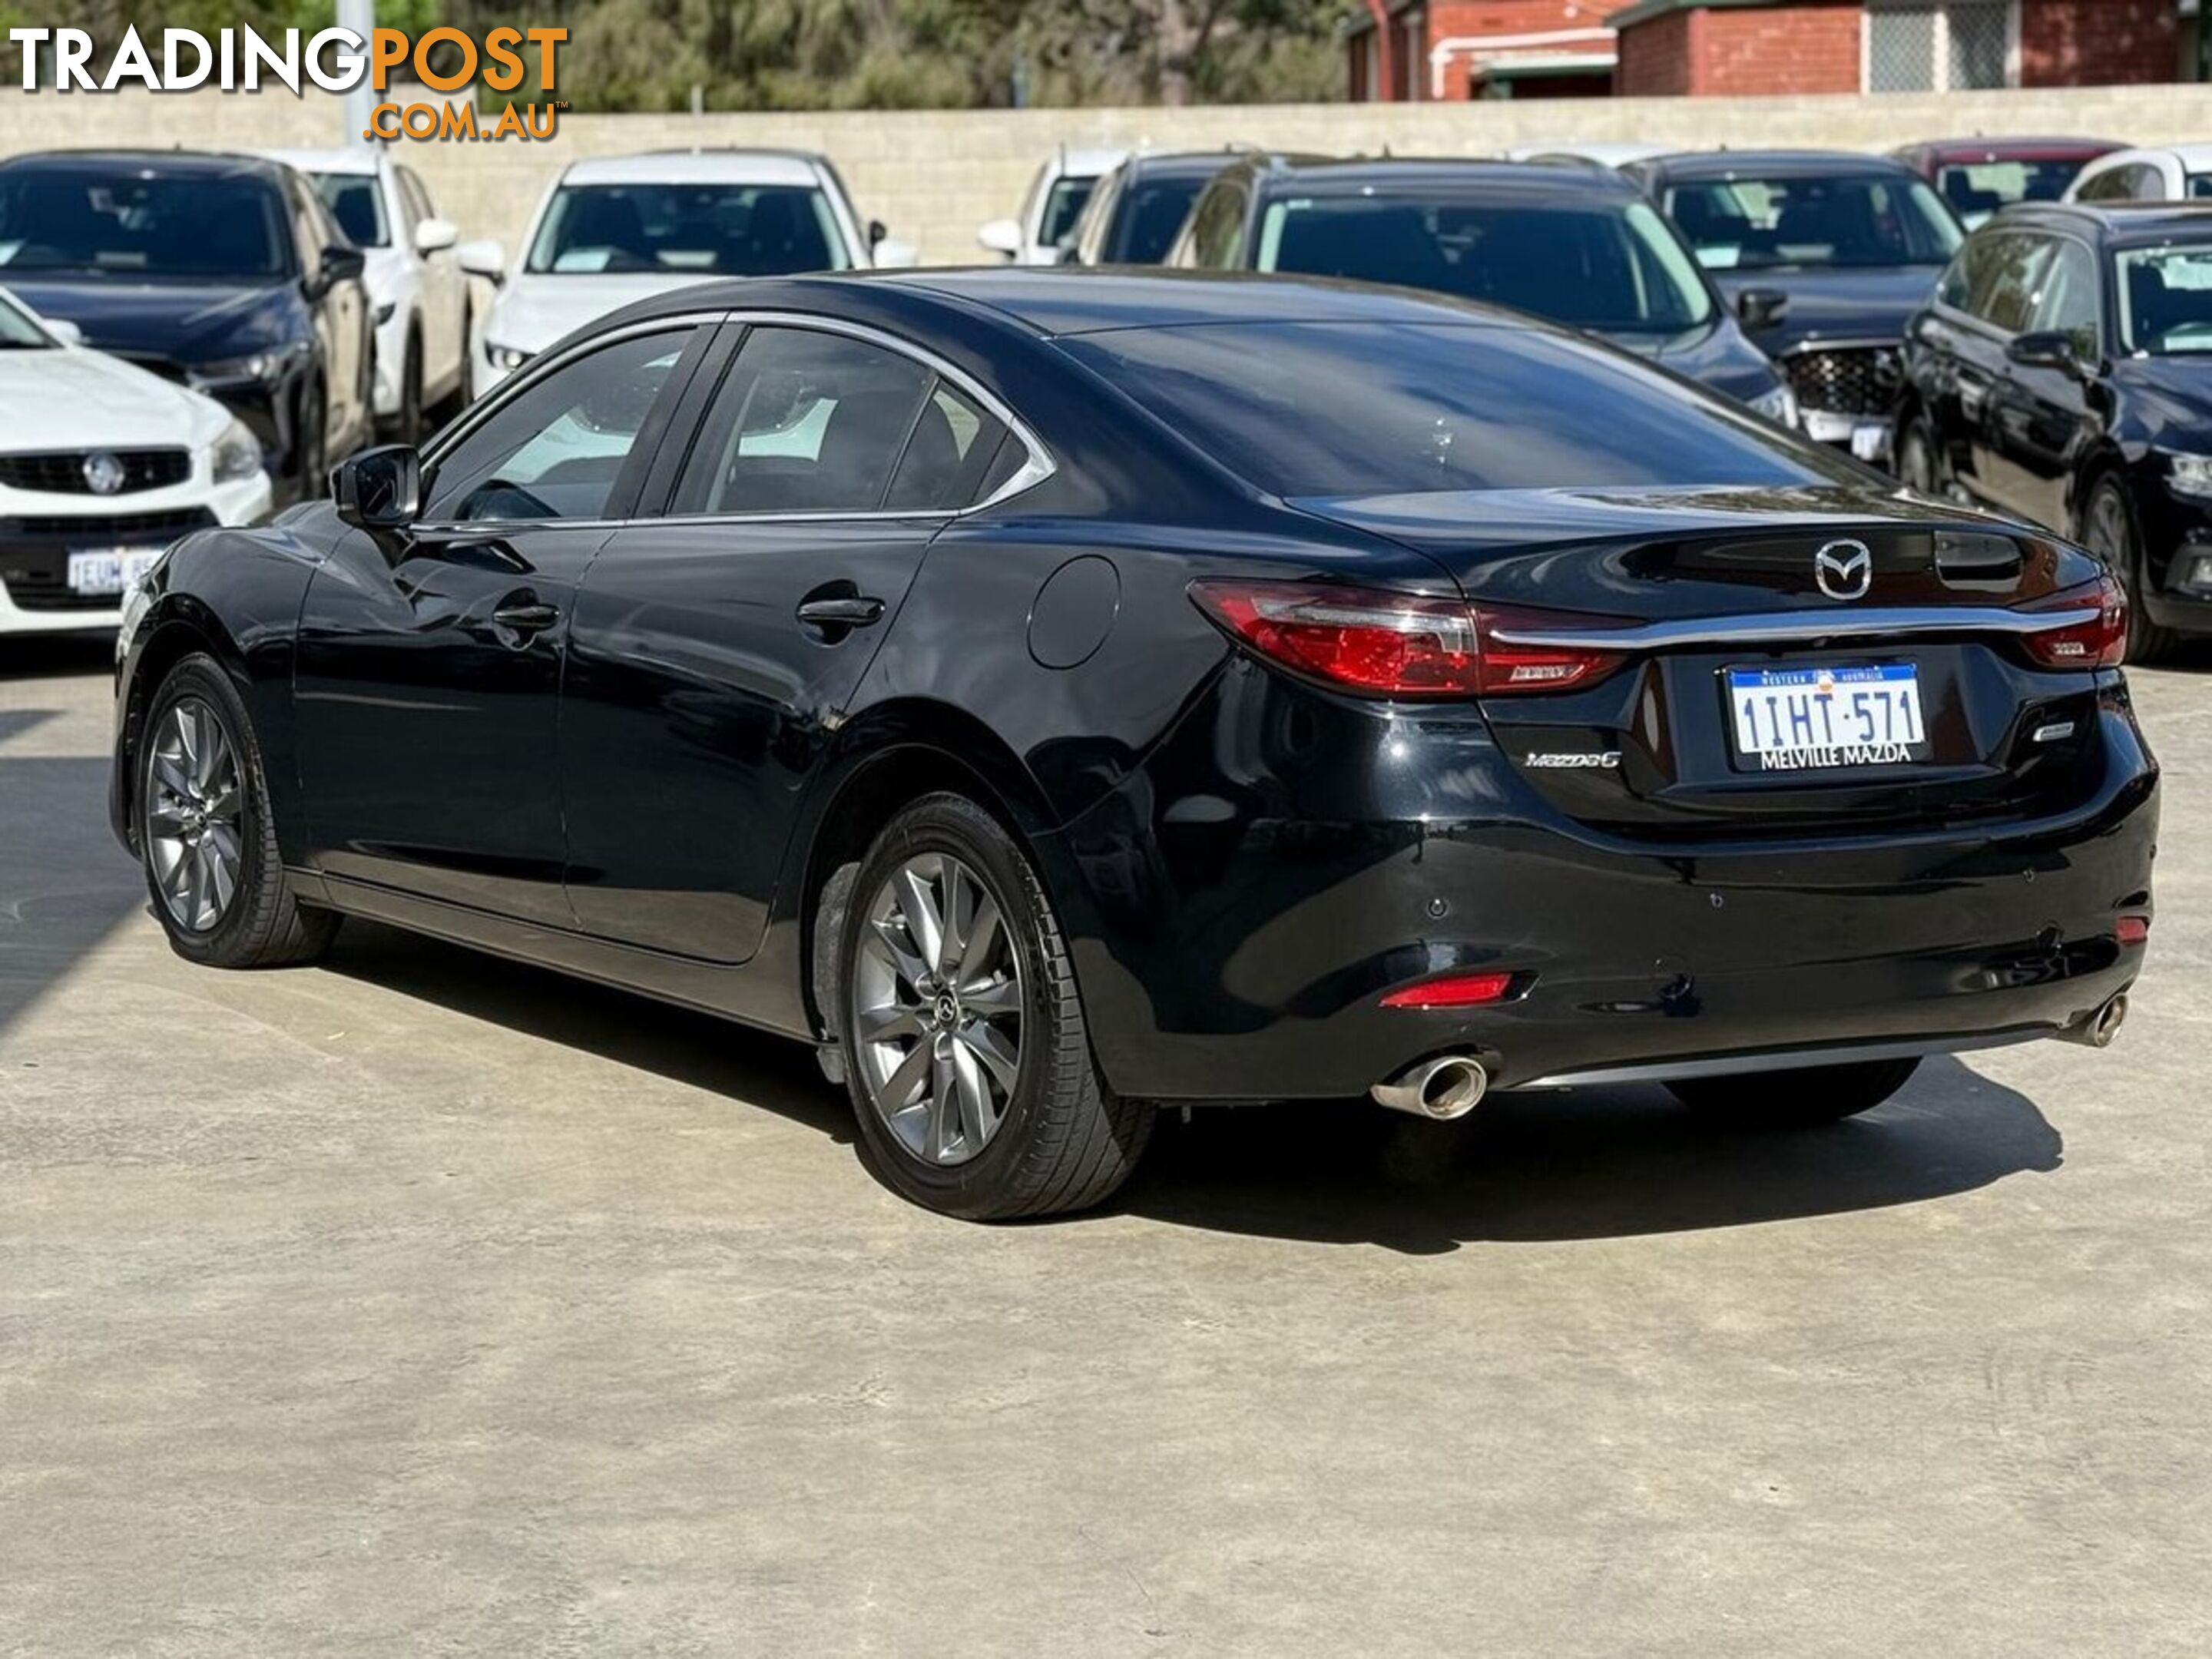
(1358, 408)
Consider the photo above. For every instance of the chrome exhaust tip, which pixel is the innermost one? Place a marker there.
(2101, 1027)
(1439, 1089)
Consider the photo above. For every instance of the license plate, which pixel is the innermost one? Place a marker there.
(1788, 720)
(97, 572)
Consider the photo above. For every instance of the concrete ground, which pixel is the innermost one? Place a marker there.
(422, 1303)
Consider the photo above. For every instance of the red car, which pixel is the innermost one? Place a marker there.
(1978, 176)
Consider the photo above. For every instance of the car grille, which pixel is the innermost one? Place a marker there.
(1853, 380)
(62, 471)
(34, 551)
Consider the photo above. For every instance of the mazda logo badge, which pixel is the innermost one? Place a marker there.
(1844, 569)
(103, 472)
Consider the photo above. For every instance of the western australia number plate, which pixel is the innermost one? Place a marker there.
(1789, 720)
(95, 572)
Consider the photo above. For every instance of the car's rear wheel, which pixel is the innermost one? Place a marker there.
(967, 1054)
(1796, 1099)
(2108, 527)
(206, 834)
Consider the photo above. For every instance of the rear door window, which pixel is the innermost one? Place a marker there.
(811, 421)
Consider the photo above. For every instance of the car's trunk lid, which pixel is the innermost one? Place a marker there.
(1819, 605)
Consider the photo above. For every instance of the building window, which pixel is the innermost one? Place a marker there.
(1414, 56)
(1941, 45)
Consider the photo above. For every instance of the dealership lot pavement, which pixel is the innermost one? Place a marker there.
(421, 1302)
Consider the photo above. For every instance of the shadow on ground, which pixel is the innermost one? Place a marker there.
(56, 656)
(1606, 1163)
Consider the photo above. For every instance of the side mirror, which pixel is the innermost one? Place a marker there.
(2044, 349)
(1001, 236)
(487, 259)
(379, 489)
(876, 231)
(436, 235)
(339, 264)
(62, 329)
(1761, 308)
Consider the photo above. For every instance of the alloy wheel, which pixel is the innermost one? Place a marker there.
(194, 805)
(937, 1008)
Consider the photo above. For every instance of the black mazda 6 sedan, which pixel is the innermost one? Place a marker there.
(1055, 695)
(2062, 372)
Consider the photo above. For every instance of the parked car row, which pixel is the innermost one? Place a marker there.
(297, 304)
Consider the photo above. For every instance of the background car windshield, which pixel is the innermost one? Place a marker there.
(1743, 224)
(1151, 213)
(1615, 266)
(1976, 190)
(734, 230)
(358, 204)
(1410, 408)
(2165, 300)
(17, 331)
(1063, 206)
(132, 225)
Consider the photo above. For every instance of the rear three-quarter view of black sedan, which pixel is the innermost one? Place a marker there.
(1058, 694)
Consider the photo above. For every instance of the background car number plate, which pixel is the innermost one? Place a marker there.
(1797, 718)
(97, 571)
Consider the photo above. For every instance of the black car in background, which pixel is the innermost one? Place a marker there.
(2062, 374)
(225, 273)
(1136, 210)
(1827, 255)
(1054, 693)
(1576, 245)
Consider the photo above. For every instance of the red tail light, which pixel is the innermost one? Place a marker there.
(2131, 930)
(2098, 640)
(1396, 644)
(1451, 991)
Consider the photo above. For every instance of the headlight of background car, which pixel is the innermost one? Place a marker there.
(255, 366)
(237, 453)
(2189, 475)
(1779, 405)
(506, 359)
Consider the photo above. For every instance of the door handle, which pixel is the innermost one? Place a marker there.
(857, 610)
(526, 615)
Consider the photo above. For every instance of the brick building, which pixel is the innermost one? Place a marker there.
(1458, 49)
(1751, 47)
(1413, 50)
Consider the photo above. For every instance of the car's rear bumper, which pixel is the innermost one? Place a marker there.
(1230, 949)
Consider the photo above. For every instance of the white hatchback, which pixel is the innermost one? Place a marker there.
(102, 465)
(618, 228)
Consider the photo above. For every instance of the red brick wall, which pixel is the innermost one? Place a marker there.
(1655, 57)
(2097, 43)
(1811, 45)
(1456, 19)
(1808, 45)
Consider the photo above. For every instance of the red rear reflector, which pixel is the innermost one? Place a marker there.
(2132, 930)
(2098, 640)
(1451, 991)
(1398, 644)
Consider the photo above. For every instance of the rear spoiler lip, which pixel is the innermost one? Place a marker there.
(1797, 627)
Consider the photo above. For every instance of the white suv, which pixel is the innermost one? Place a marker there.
(1056, 200)
(418, 287)
(102, 465)
(618, 228)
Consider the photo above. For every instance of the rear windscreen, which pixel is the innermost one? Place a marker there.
(1356, 408)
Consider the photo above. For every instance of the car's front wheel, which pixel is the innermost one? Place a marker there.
(2108, 529)
(966, 1051)
(206, 834)
(1796, 1099)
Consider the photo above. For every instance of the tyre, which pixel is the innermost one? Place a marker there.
(2108, 529)
(966, 1051)
(206, 836)
(1796, 1099)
